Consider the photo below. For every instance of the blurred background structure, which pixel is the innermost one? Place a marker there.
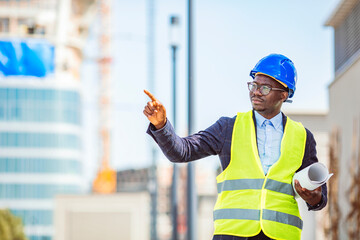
(73, 147)
(105, 181)
(344, 120)
(40, 107)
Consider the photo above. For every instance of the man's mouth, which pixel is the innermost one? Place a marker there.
(256, 100)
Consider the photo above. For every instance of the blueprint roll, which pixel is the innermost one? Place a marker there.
(312, 177)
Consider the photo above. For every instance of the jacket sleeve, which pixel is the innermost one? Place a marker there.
(310, 158)
(185, 149)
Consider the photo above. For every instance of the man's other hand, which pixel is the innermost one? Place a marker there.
(311, 197)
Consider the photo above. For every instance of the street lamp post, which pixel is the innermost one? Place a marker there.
(153, 186)
(174, 43)
(191, 188)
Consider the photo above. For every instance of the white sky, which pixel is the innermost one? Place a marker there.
(230, 37)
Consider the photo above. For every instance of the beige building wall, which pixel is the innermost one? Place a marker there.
(344, 113)
(205, 216)
(123, 216)
(344, 120)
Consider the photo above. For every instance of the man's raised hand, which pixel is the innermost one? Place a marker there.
(155, 111)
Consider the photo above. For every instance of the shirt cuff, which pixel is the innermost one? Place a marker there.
(153, 129)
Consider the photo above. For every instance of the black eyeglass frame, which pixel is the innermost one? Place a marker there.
(261, 88)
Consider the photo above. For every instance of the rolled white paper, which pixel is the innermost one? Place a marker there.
(312, 177)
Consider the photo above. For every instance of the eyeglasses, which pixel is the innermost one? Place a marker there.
(264, 89)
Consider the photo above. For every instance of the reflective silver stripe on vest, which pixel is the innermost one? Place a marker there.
(240, 184)
(254, 214)
(282, 218)
(235, 213)
(279, 187)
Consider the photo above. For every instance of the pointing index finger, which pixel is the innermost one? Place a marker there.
(150, 95)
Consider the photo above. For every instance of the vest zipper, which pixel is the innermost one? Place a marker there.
(262, 201)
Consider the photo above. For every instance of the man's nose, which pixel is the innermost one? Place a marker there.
(257, 92)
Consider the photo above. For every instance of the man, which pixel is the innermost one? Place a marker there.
(259, 150)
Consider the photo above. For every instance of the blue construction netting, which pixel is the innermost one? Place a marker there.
(26, 57)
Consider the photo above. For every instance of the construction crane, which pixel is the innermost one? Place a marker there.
(105, 181)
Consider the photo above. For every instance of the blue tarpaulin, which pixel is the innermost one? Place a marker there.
(30, 57)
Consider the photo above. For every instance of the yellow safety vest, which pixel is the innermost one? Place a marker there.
(248, 201)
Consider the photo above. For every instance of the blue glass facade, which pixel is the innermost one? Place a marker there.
(32, 217)
(39, 140)
(48, 106)
(39, 105)
(39, 165)
(35, 191)
(39, 237)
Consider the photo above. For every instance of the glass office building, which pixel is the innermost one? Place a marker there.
(40, 107)
(40, 150)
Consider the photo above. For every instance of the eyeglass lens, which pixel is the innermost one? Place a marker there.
(264, 90)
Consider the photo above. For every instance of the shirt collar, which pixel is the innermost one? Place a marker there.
(276, 121)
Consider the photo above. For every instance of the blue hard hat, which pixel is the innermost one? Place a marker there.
(278, 67)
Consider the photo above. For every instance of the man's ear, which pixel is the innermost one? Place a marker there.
(284, 96)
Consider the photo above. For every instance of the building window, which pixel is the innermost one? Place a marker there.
(34, 217)
(347, 38)
(39, 105)
(39, 140)
(39, 237)
(39, 165)
(35, 191)
(4, 25)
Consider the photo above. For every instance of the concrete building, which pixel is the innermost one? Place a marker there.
(344, 121)
(112, 217)
(40, 107)
(137, 180)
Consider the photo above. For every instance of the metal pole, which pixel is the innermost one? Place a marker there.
(151, 72)
(174, 197)
(153, 193)
(191, 190)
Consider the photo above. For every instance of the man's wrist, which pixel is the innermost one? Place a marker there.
(160, 126)
(317, 204)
